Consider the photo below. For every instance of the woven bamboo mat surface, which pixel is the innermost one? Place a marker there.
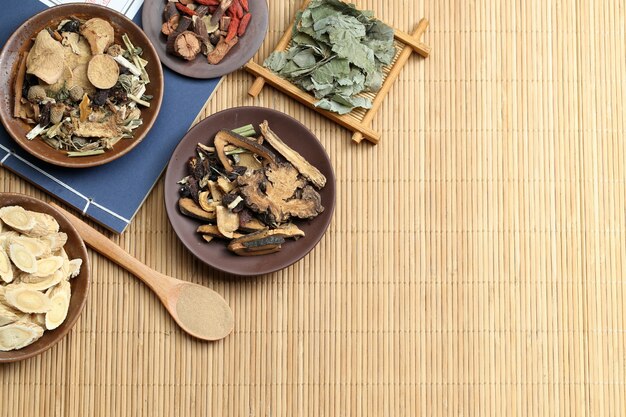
(474, 265)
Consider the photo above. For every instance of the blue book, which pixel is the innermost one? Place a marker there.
(110, 194)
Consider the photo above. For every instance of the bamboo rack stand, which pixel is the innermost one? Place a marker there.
(359, 120)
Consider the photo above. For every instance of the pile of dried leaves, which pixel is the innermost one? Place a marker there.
(210, 27)
(337, 53)
(247, 194)
(80, 89)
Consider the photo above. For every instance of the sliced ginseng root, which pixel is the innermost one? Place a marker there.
(42, 283)
(75, 265)
(7, 314)
(35, 246)
(22, 258)
(6, 269)
(48, 266)
(60, 299)
(19, 334)
(26, 299)
(17, 218)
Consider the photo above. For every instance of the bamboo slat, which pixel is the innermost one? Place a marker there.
(475, 264)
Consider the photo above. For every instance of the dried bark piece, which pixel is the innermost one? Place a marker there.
(45, 59)
(302, 165)
(103, 71)
(99, 33)
(19, 85)
(187, 45)
(221, 49)
(273, 192)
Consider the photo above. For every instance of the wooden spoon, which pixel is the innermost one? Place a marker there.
(198, 310)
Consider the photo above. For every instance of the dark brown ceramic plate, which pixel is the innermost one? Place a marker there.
(248, 45)
(22, 40)
(75, 248)
(215, 253)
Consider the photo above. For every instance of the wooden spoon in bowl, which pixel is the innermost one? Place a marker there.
(198, 310)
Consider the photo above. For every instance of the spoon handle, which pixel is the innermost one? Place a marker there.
(100, 243)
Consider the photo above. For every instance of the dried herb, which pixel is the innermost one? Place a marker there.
(337, 53)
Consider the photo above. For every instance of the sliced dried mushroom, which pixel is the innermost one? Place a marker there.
(227, 221)
(45, 59)
(273, 191)
(225, 137)
(213, 231)
(188, 207)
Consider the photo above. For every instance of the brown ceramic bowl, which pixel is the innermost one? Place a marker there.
(22, 40)
(75, 248)
(215, 253)
(241, 53)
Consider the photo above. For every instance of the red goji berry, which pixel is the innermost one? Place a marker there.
(243, 25)
(237, 9)
(232, 29)
(185, 9)
(244, 5)
(208, 2)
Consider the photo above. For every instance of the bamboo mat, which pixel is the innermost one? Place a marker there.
(474, 266)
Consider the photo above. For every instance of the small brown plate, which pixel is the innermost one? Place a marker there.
(241, 53)
(22, 41)
(75, 248)
(216, 253)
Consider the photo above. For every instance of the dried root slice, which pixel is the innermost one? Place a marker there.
(227, 221)
(48, 266)
(103, 71)
(189, 208)
(7, 315)
(225, 137)
(45, 225)
(6, 238)
(54, 241)
(22, 258)
(42, 283)
(35, 246)
(216, 192)
(6, 269)
(36, 318)
(17, 335)
(187, 45)
(75, 265)
(27, 299)
(60, 300)
(208, 238)
(17, 218)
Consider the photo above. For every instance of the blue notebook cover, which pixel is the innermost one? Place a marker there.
(110, 194)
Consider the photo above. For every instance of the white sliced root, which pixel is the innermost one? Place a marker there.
(54, 241)
(19, 334)
(26, 299)
(60, 300)
(45, 225)
(7, 315)
(22, 258)
(6, 238)
(48, 266)
(42, 283)
(32, 260)
(35, 246)
(17, 218)
(75, 265)
(6, 269)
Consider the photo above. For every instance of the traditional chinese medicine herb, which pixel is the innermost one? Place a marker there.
(337, 53)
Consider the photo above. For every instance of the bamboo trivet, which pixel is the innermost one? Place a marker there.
(359, 120)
